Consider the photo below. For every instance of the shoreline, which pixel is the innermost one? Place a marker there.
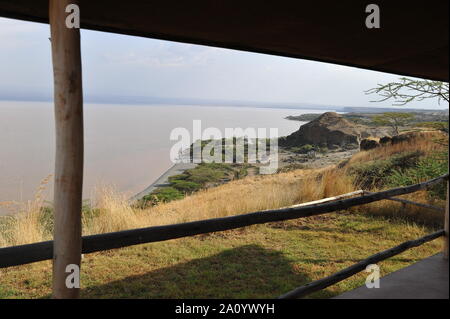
(286, 158)
(163, 180)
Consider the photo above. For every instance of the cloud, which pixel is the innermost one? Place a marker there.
(135, 66)
(161, 54)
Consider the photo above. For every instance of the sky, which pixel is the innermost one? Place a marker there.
(118, 65)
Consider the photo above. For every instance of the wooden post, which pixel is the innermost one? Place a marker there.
(68, 99)
(445, 249)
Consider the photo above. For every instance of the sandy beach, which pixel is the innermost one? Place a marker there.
(163, 180)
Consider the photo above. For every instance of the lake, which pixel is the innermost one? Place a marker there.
(126, 146)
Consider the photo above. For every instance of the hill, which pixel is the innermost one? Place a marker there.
(329, 130)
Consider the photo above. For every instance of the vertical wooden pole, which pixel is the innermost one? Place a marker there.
(445, 250)
(68, 99)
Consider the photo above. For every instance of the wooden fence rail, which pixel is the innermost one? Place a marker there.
(408, 202)
(328, 199)
(19, 255)
(360, 266)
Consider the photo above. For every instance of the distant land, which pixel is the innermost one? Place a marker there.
(143, 100)
(361, 115)
(356, 109)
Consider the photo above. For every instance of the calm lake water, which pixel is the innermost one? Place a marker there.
(125, 145)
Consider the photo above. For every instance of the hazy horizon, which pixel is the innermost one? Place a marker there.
(150, 101)
(133, 69)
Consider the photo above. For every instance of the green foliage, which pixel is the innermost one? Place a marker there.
(178, 177)
(441, 126)
(356, 118)
(402, 170)
(185, 186)
(192, 180)
(376, 174)
(205, 173)
(241, 171)
(237, 147)
(46, 218)
(393, 119)
(426, 169)
(308, 117)
(304, 149)
(163, 195)
(201, 175)
(407, 90)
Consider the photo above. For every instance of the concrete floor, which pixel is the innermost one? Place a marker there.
(426, 279)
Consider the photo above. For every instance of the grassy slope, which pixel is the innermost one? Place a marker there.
(257, 262)
(261, 261)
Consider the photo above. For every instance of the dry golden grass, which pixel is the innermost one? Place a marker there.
(252, 194)
(113, 212)
(258, 193)
(427, 142)
(410, 213)
(286, 254)
(422, 142)
(242, 196)
(25, 226)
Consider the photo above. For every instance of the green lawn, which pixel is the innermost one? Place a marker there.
(261, 261)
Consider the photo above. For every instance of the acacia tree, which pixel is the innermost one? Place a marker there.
(407, 90)
(393, 119)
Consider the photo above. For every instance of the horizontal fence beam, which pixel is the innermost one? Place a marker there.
(328, 199)
(358, 267)
(405, 201)
(19, 255)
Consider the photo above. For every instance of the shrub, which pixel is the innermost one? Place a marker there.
(241, 171)
(162, 195)
(304, 149)
(185, 186)
(426, 169)
(208, 173)
(377, 173)
(178, 177)
(204, 176)
(190, 181)
(442, 126)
